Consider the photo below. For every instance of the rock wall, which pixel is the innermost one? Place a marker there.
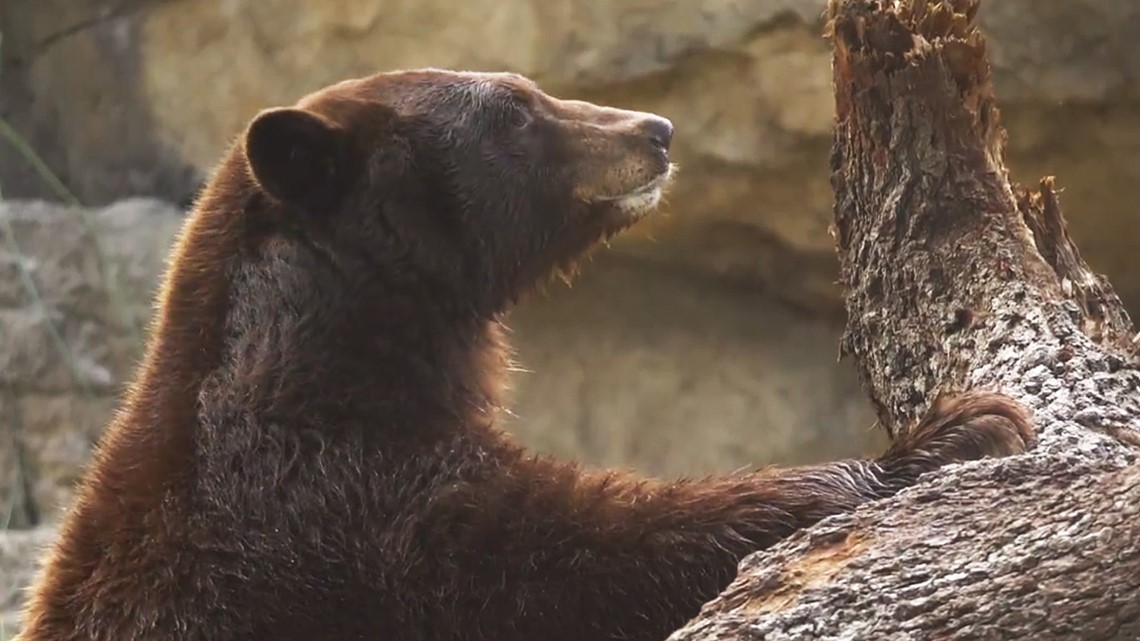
(128, 97)
(69, 341)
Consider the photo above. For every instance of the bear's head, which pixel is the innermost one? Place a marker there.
(462, 186)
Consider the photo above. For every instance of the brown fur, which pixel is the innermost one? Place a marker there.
(309, 448)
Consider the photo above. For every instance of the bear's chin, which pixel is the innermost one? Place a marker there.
(604, 219)
(644, 200)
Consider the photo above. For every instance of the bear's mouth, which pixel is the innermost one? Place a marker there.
(645, 198)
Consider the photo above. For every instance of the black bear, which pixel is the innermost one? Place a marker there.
(309, 449)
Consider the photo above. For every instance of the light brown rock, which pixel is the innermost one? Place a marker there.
(674, 373)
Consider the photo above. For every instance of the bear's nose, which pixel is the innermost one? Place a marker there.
(659, 131)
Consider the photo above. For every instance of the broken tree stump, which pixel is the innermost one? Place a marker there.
(958, 280)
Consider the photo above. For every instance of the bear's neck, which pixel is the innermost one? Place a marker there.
(243, 334)
(303, 332)
(228, 358)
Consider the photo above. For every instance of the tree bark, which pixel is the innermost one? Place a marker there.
(955, 280)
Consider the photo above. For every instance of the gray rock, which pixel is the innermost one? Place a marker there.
(19, 554)
(69, 345)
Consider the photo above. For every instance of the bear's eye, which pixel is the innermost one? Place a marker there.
(518, 114)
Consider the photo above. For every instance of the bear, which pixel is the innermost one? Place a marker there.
(311, 447)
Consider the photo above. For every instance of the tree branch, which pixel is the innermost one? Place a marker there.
(957, 280)
(936, 252)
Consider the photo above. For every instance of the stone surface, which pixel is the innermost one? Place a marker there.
(674, 373)
(69, 339)
(129, 97)
(19, 551)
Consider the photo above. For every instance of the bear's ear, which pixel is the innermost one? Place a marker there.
(298, 157)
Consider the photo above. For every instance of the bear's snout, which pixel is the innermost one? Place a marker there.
(622, 155)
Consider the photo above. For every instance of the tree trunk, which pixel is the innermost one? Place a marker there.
(958, 280)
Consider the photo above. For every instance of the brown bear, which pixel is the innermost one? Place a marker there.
(309, 449)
